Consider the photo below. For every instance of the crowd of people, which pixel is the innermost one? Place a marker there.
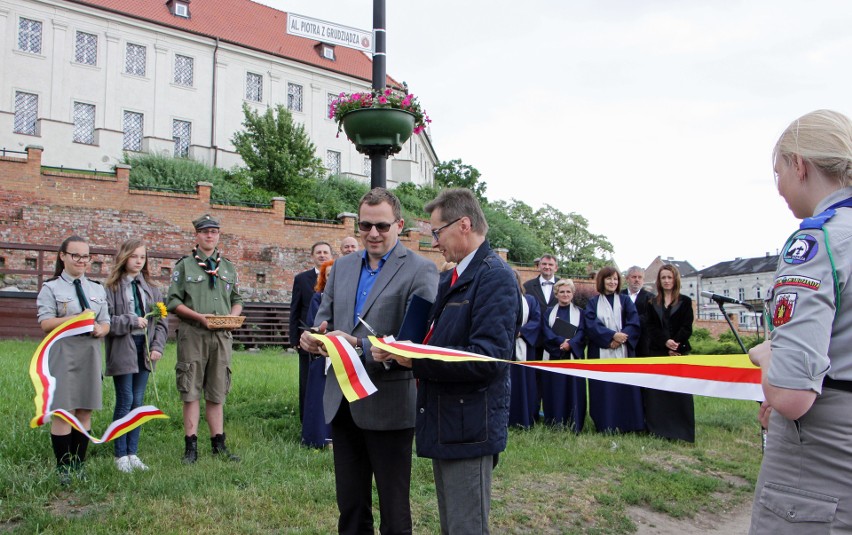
(460, 412)
(614, 323)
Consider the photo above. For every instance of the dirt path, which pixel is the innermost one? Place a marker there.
(727, 522)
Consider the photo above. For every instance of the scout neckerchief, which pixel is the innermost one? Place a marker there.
(211, 267)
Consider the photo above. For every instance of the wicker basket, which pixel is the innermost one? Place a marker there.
(224, 322)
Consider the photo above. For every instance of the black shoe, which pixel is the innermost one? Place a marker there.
(221, 451)
(190, 454)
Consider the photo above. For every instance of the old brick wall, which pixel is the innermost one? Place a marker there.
(269, 250)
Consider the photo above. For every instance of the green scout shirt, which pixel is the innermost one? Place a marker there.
(190, 286)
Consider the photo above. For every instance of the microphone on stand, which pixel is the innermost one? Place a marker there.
(725, 299)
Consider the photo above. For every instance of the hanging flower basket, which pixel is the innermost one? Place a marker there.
(378, 129)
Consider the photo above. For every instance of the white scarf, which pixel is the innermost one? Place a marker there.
(520, 343)
(551, 319)
(610, 316)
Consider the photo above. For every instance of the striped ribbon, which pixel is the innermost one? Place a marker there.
(348, 368)
(721, 376)
(45, 385)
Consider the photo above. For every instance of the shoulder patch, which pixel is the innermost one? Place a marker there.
(802, 248)
(798, 280)
(785, 305)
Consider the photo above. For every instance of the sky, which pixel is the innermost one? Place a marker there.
(654, 120)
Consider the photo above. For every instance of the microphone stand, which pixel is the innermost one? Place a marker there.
(742, 346)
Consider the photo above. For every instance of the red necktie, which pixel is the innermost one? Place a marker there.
(432, 327)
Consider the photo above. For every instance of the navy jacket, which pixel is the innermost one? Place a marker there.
(463, 407)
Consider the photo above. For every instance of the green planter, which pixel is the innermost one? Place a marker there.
(378, 130)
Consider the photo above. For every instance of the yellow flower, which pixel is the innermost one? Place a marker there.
(161, 308)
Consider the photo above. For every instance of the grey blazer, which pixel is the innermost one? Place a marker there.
(120, 348)
(403, 275)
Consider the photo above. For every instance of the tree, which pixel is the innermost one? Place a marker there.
(567, 236)
(455, 174)
(279, 154)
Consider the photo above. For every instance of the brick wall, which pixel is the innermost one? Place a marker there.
(269, 250)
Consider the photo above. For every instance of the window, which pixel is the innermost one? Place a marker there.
(757, 292)
(254, 87)
(328, 52)
(332, 162)
(181, 132)
(726, 292)
(29, 35)
(133, 123)
(84, 123)
(181, 10)
(26, 113)
(134, 59)
(183, 70)
(741, 294)
(294, 97)
(86, 49)
(331, 98)
(368, 167)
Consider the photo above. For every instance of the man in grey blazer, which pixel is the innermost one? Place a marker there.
(373, 436)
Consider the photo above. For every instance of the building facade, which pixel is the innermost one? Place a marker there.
(744, 279)
(91, 80)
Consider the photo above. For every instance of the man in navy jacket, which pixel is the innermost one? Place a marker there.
(463, 407)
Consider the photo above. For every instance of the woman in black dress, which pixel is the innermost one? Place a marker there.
(668, 324)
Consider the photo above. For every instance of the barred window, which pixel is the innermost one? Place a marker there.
(86, 50)
(183, 70)
(331, 98)
(368, 167)
(254, 87)
(84, 123)
(133, 123)
(181, 132)
(332, 162)
(294, 97)
(26, 113)
(29, 35)
(134, 59)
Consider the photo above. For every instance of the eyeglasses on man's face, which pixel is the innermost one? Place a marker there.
(366, 226)
(436, 232)
(84, 258)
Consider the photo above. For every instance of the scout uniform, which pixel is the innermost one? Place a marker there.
(203, 355)
(807, 467)
(75, 362)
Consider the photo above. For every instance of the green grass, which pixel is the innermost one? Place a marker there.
(548, 481)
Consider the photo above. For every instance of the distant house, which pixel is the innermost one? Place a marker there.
(745, 279)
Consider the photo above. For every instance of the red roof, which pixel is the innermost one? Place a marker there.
(244, 23)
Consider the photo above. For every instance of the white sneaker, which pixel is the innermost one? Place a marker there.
(123, 464)
(136, 463)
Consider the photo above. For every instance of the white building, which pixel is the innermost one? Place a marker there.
(91, 79)
(745, 279)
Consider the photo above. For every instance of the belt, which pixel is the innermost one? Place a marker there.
(837, 384)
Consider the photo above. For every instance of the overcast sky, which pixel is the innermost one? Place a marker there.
(655, 120)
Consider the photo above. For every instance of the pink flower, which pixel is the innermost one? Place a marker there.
(383, 100)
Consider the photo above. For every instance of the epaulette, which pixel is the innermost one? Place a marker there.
(818, 221)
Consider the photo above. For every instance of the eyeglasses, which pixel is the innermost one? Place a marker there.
(366, 226)
(84, 258)
(436, 232)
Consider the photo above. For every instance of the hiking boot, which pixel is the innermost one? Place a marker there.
(190, 454)
(220, 450)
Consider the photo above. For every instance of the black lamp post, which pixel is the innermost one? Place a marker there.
(379, 158)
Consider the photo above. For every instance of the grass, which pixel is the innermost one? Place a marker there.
(548, 481)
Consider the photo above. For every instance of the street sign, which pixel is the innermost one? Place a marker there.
(328, 32)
